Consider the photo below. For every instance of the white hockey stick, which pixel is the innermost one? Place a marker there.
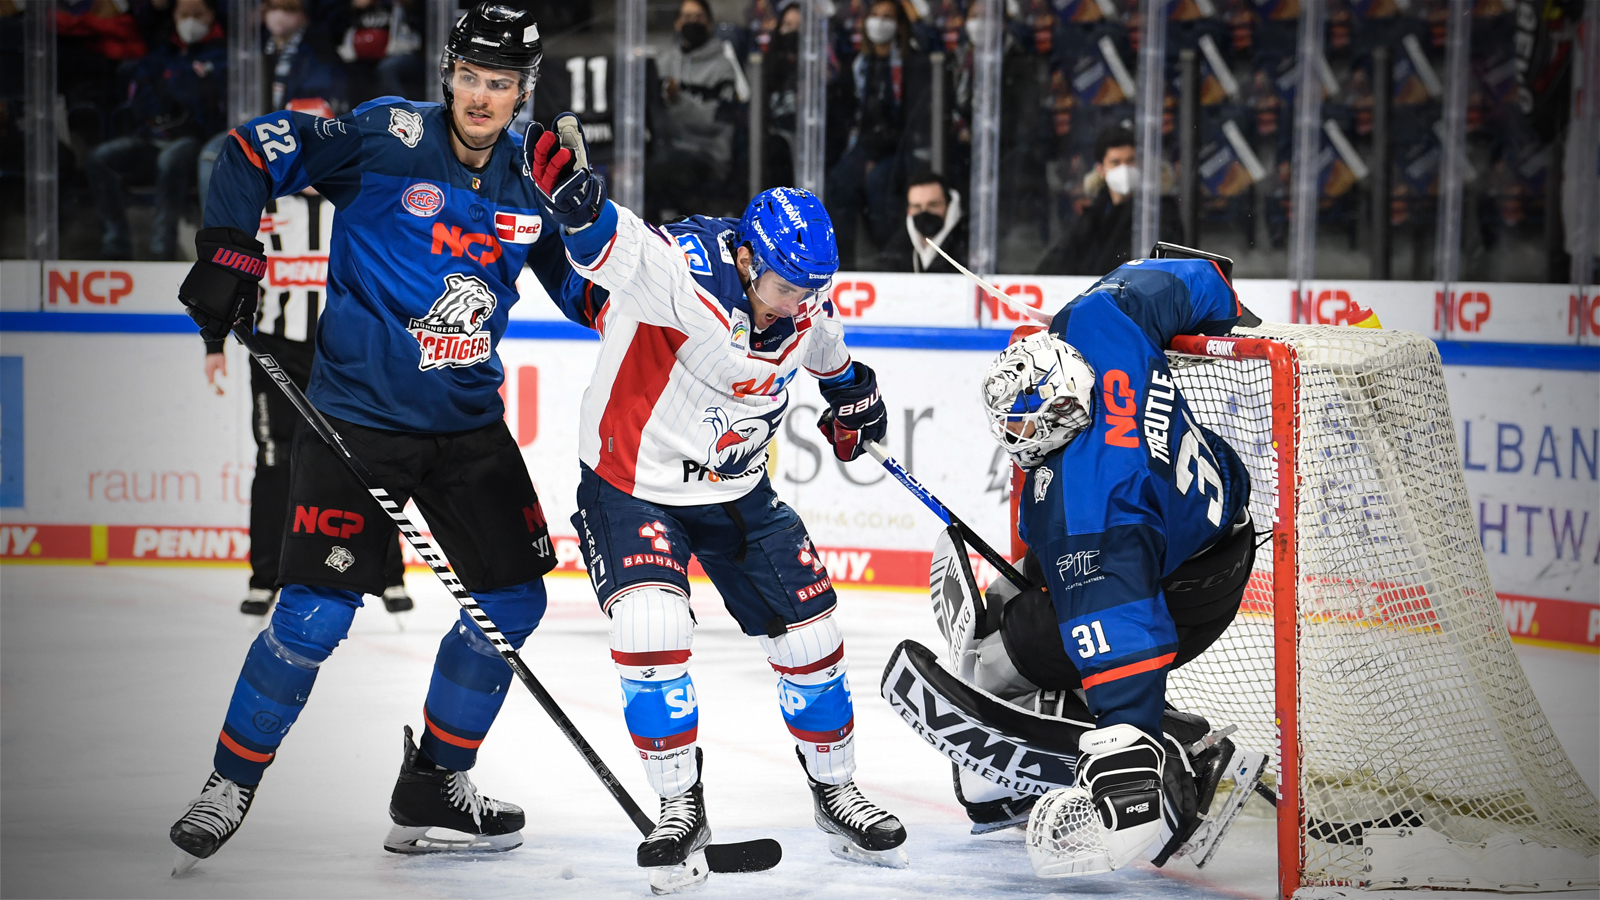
(1038, 315)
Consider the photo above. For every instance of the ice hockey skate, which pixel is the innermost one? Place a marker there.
(438, 810)
(675, 850)
(858, 829)
(258, 601)
(396, 600)
(210, 820)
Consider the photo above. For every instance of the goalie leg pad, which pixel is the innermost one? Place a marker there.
(814, 695)
(651, 632)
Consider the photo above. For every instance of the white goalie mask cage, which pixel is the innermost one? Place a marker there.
(1040, 381)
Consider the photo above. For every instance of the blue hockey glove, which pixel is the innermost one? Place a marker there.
(220, 290)
(856, 413)
(570, 192)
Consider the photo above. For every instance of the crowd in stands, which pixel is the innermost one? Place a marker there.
(144, 92)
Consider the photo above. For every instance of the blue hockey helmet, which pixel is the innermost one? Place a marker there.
(790, 233)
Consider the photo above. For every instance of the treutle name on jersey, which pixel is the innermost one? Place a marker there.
(1158, 414)
(450, 334)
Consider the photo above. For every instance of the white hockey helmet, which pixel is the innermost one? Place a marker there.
(1038, 393)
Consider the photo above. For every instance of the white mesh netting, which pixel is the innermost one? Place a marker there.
(1413, 708)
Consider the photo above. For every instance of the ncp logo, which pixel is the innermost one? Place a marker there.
(1330, 307)
(1583, 314)
(1466, 311)
(99, 286)
(1031, 294)
(853, 298)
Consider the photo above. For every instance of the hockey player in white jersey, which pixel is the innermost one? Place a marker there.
(706, 323)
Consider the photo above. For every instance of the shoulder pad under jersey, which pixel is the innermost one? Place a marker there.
(707, 245)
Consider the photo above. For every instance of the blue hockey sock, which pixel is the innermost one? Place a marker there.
(278, 673)
(664, 719)
(821, 717)
(470, 679)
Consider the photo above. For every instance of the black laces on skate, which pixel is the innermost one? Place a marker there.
(677, 818)
(220, 807)
(848, 805)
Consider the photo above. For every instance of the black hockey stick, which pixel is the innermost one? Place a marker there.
(746, 856)
(943, 512)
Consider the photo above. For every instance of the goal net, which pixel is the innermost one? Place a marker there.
(1413, 752)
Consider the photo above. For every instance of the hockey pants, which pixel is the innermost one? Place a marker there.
(468, 686)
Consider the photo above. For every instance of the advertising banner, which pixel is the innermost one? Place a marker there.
(113, 449)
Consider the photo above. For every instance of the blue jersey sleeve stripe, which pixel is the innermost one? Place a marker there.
(586, 245)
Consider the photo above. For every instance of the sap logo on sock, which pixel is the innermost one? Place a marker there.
(791, 700)
(331, 522)
(682, 700)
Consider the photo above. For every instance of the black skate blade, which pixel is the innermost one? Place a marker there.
(182, 862)
(744, 856)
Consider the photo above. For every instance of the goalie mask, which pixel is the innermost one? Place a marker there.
(1038, 394)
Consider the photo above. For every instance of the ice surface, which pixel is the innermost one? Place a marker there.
(113, 682)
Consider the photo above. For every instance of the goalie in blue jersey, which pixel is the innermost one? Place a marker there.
(1140, 548)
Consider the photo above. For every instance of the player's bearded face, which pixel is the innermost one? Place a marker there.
(484, 99)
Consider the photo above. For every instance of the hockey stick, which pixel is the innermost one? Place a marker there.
(1038, 315)
(943, 512)
(747, 856)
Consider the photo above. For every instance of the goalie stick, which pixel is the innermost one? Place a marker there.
(1038, 315)
(745, 856)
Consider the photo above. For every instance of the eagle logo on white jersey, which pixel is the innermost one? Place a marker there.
(449, 335)
(736, 446)
(405, 125)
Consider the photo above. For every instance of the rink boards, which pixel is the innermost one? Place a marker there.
(113, 450)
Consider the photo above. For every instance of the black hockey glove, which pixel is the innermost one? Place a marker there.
(855, 414)
(220, 291)
(570, 192)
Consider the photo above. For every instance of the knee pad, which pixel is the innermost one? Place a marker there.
(651, 633)
(309, 622)
(515, 610)
(996, 673)
(810, 654)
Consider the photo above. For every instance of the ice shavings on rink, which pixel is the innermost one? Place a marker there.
(114, 683)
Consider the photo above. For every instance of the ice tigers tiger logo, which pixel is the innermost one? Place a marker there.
(449, 334)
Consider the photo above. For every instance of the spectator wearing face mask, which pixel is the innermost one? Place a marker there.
(177, 98)
(888, 78)
(780, 77)
(933, 216)
(1102, 237)
(297, 61)
(702, 87)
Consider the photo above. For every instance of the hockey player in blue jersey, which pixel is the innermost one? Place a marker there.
(436, 219)
(1122, 489)
(706, 323)
(1140, 548)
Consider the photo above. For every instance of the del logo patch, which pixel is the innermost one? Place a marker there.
(405, 125)
(516, 228)
(451, 333)
(423, 199)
